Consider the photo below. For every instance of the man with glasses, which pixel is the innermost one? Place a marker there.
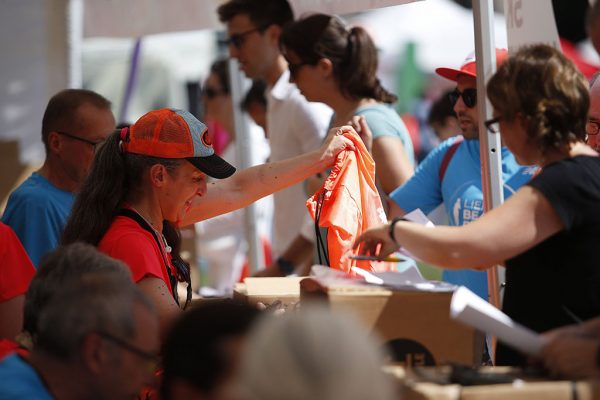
(97, 337)
(75, 123)
(295, 126)
(451, 174)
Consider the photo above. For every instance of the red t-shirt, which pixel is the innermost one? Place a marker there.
(125, 240)
(16, 270)
(8, 347)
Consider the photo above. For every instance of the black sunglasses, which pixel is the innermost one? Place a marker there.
(211, 93)
(469, 97)
(93, 144)
(237, 39)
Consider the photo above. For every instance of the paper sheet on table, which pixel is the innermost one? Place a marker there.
(409, 279)
(472, 310)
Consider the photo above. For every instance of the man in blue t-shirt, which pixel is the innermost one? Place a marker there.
(451, 174)
(75, 122)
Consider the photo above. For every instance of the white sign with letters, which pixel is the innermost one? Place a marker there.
(529, 22)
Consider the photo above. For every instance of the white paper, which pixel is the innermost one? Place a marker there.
(418, 217)
(472, 310)
(408, 280)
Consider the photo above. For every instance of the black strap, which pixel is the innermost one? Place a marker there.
(124, 212)
(321, 242)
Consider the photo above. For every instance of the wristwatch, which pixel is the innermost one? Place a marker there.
(392, 225)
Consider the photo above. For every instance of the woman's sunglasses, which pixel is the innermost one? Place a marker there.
(469, 97)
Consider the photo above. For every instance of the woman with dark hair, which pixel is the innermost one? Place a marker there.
(151, 177)
(337, 65)
(547, 232)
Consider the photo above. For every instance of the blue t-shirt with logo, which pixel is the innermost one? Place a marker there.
(37, 211)
(459, 192)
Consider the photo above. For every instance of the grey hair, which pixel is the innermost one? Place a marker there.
(58, 270)
(100, 300)
(313, 354)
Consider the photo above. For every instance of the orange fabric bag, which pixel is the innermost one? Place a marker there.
(348, 204)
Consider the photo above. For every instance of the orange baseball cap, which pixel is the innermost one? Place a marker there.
(171, 133)
(468, 66)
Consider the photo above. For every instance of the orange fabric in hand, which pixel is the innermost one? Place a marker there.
(351, 205)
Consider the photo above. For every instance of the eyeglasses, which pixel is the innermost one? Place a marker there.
(592, 127)
(211, 93)
(295, 68)
(237, 39)
(469, 97)
(493, 125)
(93, 144)
(151, 360)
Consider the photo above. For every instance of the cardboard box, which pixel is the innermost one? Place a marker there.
(268, 290)
(416, 326)
(523, 389)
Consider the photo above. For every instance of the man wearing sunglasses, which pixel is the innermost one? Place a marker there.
(75, 123)
(295, 126)
(451, 174)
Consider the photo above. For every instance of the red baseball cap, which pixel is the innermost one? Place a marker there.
(170, 133)
(468, 66)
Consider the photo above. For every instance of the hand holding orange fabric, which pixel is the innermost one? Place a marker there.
(351, 204)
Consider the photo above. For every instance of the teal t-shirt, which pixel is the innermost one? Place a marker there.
(383, 120)
(37, 212)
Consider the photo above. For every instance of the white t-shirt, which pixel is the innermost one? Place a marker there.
(295, 127)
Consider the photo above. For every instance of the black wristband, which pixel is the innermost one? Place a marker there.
(392, 225)
(285, 266)
(598, 357)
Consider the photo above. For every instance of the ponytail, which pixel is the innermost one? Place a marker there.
(351, 52)
(358, 71)
(101, 195)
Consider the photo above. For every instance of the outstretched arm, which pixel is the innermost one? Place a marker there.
(249, 185)
(525, 220)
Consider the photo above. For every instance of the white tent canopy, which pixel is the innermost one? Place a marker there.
(135, 18)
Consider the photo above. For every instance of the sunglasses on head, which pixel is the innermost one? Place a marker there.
(469, 97)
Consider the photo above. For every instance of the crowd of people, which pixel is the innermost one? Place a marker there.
(91, 252)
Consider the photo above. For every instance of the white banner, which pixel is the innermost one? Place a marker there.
(529, 22)
(136, 18)
(341, 7)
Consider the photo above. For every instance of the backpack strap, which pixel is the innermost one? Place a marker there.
(448, 157)
(124, 212)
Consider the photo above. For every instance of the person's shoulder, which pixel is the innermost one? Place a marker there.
(37, 189)
(577, 167)
(21, 380)
(441, 149)
(125, 231)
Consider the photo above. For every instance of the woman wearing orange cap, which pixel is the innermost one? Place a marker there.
(149, 178)
(547, 232)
